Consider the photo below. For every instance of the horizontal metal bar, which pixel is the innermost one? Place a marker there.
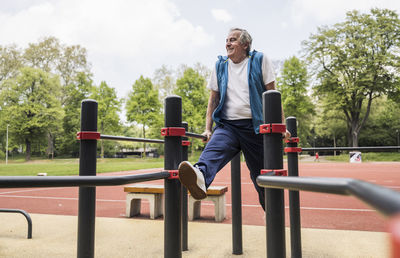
(131, 139)
(312, 184)
(371, 148)
(26, 215)
(72, 181)
(195, 135)
(382, 199)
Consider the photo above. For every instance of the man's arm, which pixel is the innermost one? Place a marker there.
(213, 102)
(271, 86)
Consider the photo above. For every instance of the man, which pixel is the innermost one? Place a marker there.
(235, 105)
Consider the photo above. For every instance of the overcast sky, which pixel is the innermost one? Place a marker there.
(129, 38)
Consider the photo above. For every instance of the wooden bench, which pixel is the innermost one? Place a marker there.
(155, 195)
(216, 194)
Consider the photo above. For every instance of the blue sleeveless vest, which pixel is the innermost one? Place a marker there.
(256, 87)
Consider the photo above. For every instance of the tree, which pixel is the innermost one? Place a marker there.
(52, 56)
(383, 125)
(330, 127)
(203, 70)
(191, 87)
(72, 62)
(164, 81)
(49, 55)
(10, 62)
(30, 105)
(43, 55)
(108, 107)
(75, 92)
(356, 61)
(143, 105)
(293, 84)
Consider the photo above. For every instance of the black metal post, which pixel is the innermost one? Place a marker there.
(236, 190)
(273, 159)
(172, 205)
(185, 195)
(294, 199)
(87, 195)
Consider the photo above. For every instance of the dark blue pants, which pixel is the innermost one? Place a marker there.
(228, 139)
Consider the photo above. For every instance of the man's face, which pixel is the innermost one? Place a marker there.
(235, 50)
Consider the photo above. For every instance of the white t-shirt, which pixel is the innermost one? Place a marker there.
(237, 100)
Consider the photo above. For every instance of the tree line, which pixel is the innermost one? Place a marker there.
(42, 87)
(344, 89)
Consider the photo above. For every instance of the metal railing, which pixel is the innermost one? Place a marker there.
(382, 199)
(25, 214)
(175, 215)
(74, 181)
(175, 221)
(129, 139)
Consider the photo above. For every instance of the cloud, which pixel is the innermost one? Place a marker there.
(334, 10)
(130, 36)
(121, 27)
(221, 15)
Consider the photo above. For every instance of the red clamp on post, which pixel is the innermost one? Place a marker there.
(185, 143)
(88, 135)
(173, 174)
(292, 140)
(293, 149)
(173, 131)
(272, 128)
(274, 172)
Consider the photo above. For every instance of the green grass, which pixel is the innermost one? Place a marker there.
(368, 157)
(65, 167)
(113, 165)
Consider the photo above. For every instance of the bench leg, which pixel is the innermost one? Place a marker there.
(156, 207)
(132, 206)
(194, 208)
(162, 204)
(152, 205)
(219, 207)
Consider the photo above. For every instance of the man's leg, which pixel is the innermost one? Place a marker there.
(193, 179)
(253, 151)
(222, 147)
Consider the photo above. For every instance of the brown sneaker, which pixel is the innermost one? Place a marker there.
(193, 179)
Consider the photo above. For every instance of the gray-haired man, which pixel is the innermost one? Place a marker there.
(235, 105)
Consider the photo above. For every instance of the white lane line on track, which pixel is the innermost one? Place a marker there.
(54, 188)
(335, 209)
(229, 183)
(204, 203)
(57, 198)
(250, 183)
(31, 190)
(303, 208)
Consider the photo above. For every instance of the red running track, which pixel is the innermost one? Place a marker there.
(318, 210)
